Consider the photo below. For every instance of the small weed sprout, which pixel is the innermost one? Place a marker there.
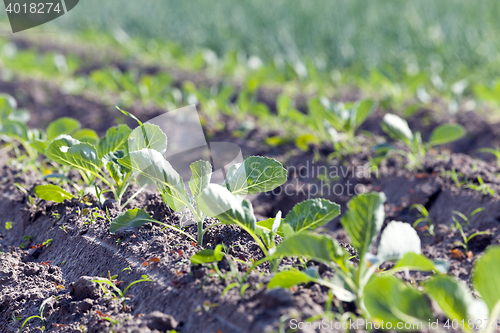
(118, 293)
(40, 316)
(424, 217)
(482, 188)
(454, 176)
(466, 218)
(466, 240)
(26, 239)
(15, 317)
(416, 149)
(56, 216)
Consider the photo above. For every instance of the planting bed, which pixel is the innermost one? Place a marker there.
(185, 297)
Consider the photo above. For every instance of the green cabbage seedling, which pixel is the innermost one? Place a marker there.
(93, 161)
(399, 243)
(397, 128)
(256, 174)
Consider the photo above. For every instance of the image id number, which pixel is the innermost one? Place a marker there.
(34, 8)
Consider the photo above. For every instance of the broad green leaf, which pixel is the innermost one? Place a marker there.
(290, 278)
(131, 218)
(15, 130)
(7, 105)
(147, 136)
(61, 126)
(397, 128)
(256, 174)
(397, 239)
(452, 296)
(363, 110)
(485, 277)
(418, 262)
(86, 135)
(207, 256)
(364, 219)
(287, 231)
(311, 214)
(115, 171)
(216, 201)
(313, 247)
(114, 139)
(446, 133)
(39, 145)
(23, 116)
(389, 299)
(230, 173)
(68, 151)
(151, 164)
(268, 229)
(51, 192)
(200, 178)
(272, 224)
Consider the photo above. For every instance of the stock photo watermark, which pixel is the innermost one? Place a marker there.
(325, 180)
(27, 14)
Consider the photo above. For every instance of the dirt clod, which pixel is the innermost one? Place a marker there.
(85, 288)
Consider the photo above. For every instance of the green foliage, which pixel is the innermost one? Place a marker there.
(62, 126)
(424, 217)
(40, 316)
(398, 129)
(311, 214)
(290, 278)
(485, 273)
(93, 161)
(363, 220)
(216, 201)
(131, 218)
(339, 122)
(466, 239)
(52, 193)
(255, 175)
(208, 256)
(117, 293)
(391, 300)
(137, 218)
(453, 297)
(399, 243)
(200, 178)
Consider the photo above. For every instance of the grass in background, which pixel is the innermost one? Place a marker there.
(450, 38)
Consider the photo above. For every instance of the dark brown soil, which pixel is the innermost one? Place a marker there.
(186, 297)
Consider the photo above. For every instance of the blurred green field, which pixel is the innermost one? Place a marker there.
(451, 38)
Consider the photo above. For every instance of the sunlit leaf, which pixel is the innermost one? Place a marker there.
(200, 178)
(67, 151)
(397, 128)
(314, 247)
(114, 139)
(216, 201)
(131, 218)
(61, 126)
(51, 192)
(256, 174)
(364, 219)
(391, 300)
(446, 133)
(311, 214)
